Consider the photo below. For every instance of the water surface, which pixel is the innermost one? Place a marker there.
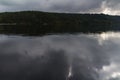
(60, 57)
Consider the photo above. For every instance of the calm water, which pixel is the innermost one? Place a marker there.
(60, 57)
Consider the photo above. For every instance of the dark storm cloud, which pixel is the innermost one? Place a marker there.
(73, 6)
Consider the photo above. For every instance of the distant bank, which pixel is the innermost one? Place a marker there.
(37, 23)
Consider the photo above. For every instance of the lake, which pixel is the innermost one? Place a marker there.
(60, 57)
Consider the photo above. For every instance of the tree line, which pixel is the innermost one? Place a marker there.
(38, 23)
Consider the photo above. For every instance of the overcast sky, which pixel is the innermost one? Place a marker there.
(69, 6)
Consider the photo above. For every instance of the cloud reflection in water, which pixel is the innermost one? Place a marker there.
(60, 57)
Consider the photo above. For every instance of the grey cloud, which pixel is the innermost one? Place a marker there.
(74, 6)
(113, 4)
(77, 5)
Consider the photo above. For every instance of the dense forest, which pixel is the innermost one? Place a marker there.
(39, 23)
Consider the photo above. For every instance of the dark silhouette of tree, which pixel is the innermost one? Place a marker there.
(39, 23)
